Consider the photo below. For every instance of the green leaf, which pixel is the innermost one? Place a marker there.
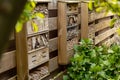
(118, 31)
(99, 9)
(93, 53)
(111, 79)
(65, 77)
(95, 68)
(40, 15)
(110, 51)
(102, 74)
(106, 62)
(90, 5)
(35, 26)
(30, 6)
(112, 22)
(76, 48)
(18, 26)
(33, 4)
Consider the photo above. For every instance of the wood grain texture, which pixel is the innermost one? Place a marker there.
(109, 41)
(8, 61)
(91, 17)
(91, 31)
(22, 56)
(84, 20)
(104, 35)
(102, 24)
(38, 57)
(52, 23)
(53, 4)
(53, 64)
(62, 48)
(102, 15)
(53, 45)
(70, 54)
(116, 39)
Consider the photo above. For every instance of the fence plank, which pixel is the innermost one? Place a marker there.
(104, 35)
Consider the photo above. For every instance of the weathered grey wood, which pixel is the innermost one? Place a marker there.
(102, 15)
(91, 31)
(53, 4)
(36, 58)
(53, 45)
(52, 23)
(104, 35)
(7, 61)
(70, 54)
(53, 64)
(101, 25)
(91, 17)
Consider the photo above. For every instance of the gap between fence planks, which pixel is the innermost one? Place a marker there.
(104, 35)
(101, 25)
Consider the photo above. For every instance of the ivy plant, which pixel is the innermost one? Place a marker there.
(94, 63)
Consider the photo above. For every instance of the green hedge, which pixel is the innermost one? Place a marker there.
(94, 63)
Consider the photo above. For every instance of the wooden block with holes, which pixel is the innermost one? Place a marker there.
(38, 57)
(68, 24)
(40, 72)
(33, 47)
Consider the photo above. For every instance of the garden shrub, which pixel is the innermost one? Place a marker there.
(94, 62)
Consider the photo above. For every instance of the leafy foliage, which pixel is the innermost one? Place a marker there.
(94, 63)
(28, 14)
(108, 6)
